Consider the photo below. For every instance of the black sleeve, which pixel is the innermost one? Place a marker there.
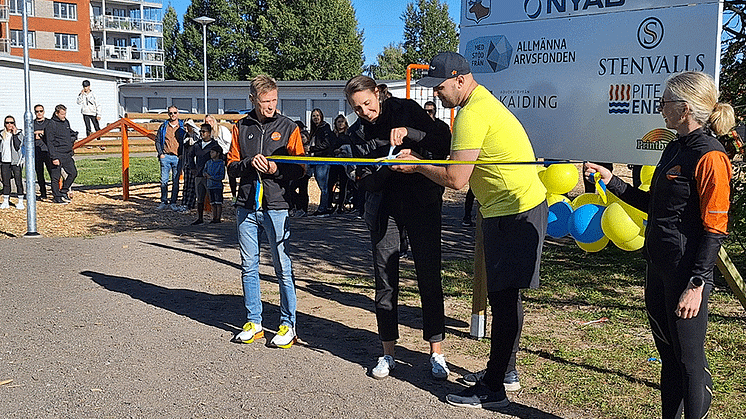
(629, 194)
(430, 138)
(49, 135)
(707, 254)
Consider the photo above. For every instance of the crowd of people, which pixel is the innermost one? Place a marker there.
(687, 207)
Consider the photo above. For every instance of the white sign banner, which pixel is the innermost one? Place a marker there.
(585, 76)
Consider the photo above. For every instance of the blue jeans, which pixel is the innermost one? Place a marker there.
(274, 223)
(321, 173)
(170, 164)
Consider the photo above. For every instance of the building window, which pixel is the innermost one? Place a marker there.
(16, 38)
(66, 41)
(67, 11)
(16, 7)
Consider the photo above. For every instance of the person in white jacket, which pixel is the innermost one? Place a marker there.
(11, 160)
(89, 107)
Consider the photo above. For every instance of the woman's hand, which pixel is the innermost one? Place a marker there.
(590, 168)
(689, 302)
(397, 136)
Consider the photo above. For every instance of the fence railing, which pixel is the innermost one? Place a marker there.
(121, 23)
(111, 52)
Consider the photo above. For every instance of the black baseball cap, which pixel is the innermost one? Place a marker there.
(86, 83)
(444, 66)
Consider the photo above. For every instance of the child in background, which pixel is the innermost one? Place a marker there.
(214, 174)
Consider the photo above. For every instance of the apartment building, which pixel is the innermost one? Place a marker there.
(128, 36)
(122, 35)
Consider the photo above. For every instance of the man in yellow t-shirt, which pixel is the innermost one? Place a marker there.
(513, 208)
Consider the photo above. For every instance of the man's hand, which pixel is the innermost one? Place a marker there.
(397, 136)
(160, 156)
(263, 165)
(98, 118)
(56, 162)
(406, 154)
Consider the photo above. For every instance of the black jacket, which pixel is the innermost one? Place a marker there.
(323, 140)
(40, 143)
(198, 156)
(425, 137)
(278, 135)
(59, 137)
(687, 205)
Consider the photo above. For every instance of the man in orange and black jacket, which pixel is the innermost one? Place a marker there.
(262, 205)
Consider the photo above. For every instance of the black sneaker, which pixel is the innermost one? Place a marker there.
(467, 222)
(479, 396)
(511, 380)
(198, 221)
(59, 200)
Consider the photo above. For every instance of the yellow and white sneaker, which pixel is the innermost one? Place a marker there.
(251, 332)
(284, 338)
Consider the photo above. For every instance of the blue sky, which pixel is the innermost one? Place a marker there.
(379, 19)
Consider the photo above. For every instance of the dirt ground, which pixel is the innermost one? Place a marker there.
(119, 310)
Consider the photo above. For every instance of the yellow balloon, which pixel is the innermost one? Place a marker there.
(646, 174)
(553, 198)
(617, 225)
(637, 216)
(635, 244)
(587, 198)
(595, 246)
(561, 178)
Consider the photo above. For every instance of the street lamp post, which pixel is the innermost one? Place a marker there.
(204, 21)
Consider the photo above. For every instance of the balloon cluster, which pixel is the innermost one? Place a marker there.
(590, 221)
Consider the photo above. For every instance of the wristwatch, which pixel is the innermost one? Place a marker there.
(696, 281)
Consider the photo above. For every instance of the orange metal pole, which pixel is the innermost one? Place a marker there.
(125, 163)
(409, 75)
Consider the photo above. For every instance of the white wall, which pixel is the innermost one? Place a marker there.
(53, 85)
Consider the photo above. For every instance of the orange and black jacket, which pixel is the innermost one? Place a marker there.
(277, 136)
(687, 205)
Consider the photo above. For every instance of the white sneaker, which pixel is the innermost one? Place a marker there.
(6, 203)
(251, 332)
(19, 204)
(162, 206)
(284, 338)
(439, 369)
(386, 363)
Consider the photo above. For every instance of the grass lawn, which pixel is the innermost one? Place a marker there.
(610, 368)
(108, 171)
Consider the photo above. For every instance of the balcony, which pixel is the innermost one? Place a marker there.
(125, 24)
(4, 46)
(3, 13)
(113, 53)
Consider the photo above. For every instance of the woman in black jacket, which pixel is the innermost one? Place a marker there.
(687, 208)
(322, 145)
(395, 199)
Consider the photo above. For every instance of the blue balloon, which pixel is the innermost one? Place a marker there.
(585, 223)
(559, 215)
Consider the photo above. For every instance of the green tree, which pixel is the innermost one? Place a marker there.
(311, 39)
(732, 61)
(428, 30)
(390, 64)
(173, 48)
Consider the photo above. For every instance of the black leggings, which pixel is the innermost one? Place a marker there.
(686, 382)
(423, 229)
(6, 171)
